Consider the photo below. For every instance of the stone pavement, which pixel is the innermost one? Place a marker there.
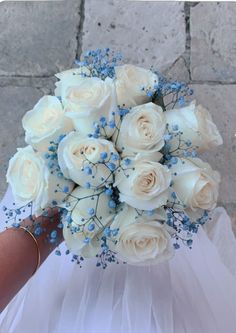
(194, 42)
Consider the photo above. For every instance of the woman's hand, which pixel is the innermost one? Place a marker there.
(19, 253)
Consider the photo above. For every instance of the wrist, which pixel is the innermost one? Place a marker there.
(43, 228)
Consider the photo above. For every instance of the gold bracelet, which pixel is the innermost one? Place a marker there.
(35, 240)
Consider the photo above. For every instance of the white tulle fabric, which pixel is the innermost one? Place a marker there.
(195, 292)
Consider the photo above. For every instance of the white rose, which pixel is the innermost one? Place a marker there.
(142, 240)
(130, 81)
(143, 183)
(86, 100)
(142, 130)
(45, 123)
(197, 126)
(87, 160)
(195, 183)
(31, 180)
(88, 214)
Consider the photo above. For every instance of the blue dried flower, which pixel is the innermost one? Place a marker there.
(112, 204)
(87, 170)
(108, 191)
(91, 211)
(103, 155)
(111, 166)
(91, 226)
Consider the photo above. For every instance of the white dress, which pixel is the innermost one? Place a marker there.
(195, 292)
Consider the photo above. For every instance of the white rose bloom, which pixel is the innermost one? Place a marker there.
(45, 123)
(86, 100)
(142, 240)
(143, 184)
(197, 126)
(195, 183)
(90, 213)
(31, 180)
(129, 83)
(87, 160)
(142, 130)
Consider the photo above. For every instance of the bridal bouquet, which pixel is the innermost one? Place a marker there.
(117, 149)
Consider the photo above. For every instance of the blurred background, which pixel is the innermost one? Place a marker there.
(193, 42)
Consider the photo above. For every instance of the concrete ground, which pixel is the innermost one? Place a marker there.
(194, 42)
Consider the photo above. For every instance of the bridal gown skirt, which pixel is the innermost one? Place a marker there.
(195, 292)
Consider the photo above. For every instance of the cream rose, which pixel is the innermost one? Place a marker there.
(195, 183)
(143, 183)
(88, 99)
(142, 240)
(45, 123)
(87, 160)
(130, 81)
(88, 214)
(142, 130)
(197, 126)
(31, 180)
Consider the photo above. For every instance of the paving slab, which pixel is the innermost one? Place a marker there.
(38, 38)
(213, 41)
(147, 33)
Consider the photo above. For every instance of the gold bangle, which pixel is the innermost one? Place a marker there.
(35, 240)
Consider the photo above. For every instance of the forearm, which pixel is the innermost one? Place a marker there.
(19, 254)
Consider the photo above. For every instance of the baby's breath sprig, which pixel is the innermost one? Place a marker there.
(167, 94)
(106, 257)
(185, 148)
(100, 128)
(52, 157)
(15, 216)
(99, 63)
(94, 223)
(184, 227)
